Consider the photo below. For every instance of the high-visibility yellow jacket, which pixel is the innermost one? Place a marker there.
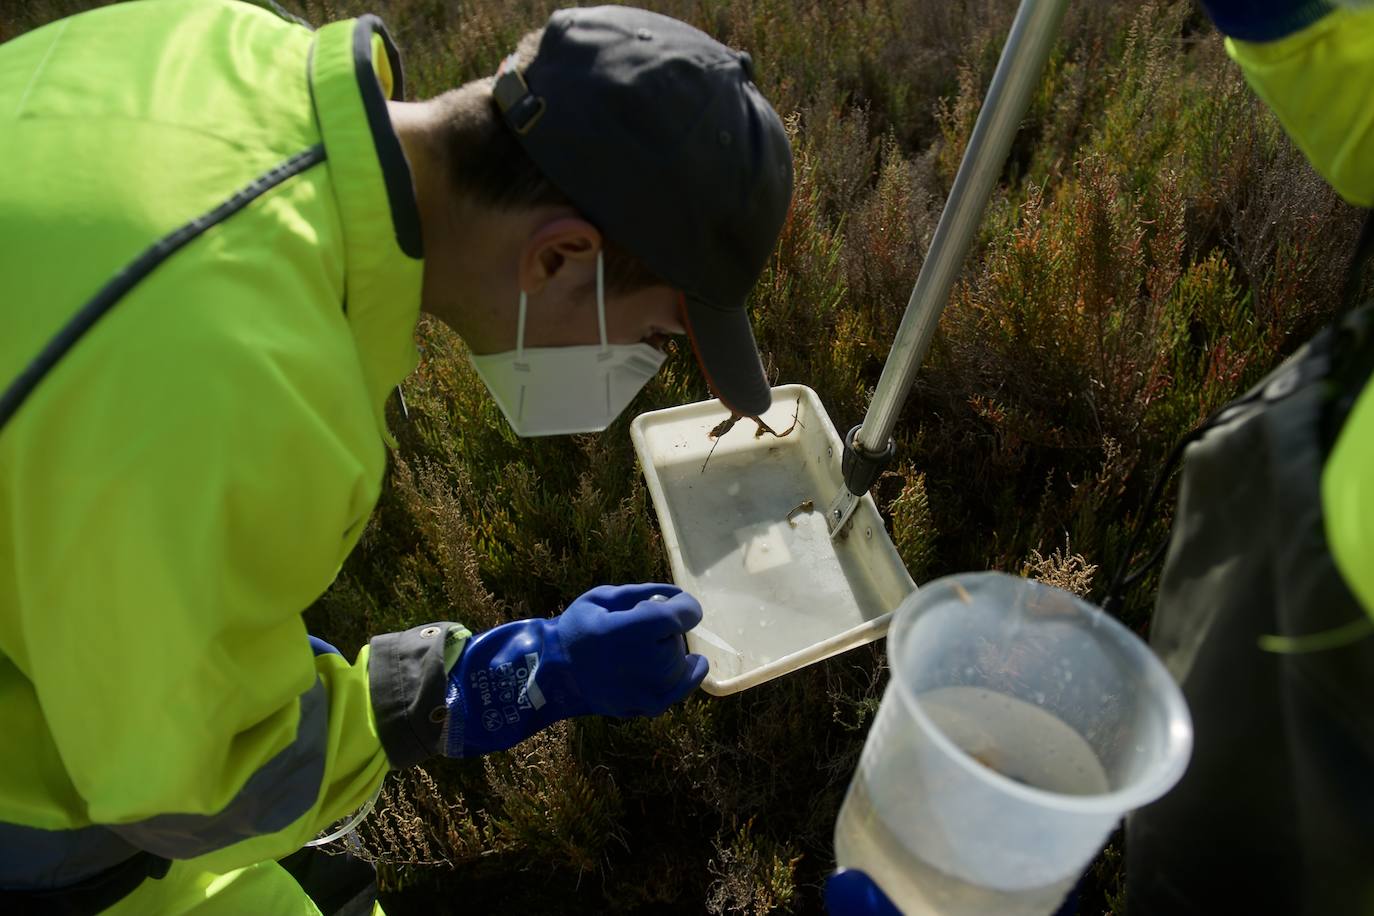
(1319, 81)
(219, 192)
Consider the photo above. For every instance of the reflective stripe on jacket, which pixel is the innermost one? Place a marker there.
(191, 474)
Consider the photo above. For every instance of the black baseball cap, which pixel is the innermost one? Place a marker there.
(657, 134)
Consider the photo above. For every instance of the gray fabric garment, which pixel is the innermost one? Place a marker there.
(408, 681)
(337, 882)
(1276, 811)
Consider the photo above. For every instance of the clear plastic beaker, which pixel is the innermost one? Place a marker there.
(1021, 723)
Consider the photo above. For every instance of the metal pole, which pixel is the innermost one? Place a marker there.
(1018, 73)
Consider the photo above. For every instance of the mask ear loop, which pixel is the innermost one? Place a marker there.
(601, 301)
(605, 353)
(520, 329)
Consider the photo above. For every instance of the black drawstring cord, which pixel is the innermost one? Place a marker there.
(1123, 579)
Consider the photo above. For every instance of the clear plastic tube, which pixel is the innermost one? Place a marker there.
(351, 824)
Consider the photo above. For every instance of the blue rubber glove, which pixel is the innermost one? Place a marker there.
(616, 651)
(851, 892)
(320, 647)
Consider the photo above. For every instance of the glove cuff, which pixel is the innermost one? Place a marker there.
(406, 682)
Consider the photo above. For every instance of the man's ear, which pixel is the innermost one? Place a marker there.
(552, 247)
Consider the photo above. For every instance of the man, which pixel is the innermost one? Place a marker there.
(218, 229)
(1266, 602)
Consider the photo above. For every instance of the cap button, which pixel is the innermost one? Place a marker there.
(747, 63)
(644, 35)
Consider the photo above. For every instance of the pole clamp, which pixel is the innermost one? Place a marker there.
(862, 468)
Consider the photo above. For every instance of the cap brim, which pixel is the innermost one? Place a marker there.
(724, 343)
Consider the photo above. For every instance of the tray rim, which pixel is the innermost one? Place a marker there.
(861, 634)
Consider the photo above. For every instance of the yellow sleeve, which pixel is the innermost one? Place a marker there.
(1348, 500)
(182, 491)
(1318, 83)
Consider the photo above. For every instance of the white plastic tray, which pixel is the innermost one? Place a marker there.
(776, 594)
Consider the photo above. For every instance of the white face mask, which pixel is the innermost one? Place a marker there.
(552, 391)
